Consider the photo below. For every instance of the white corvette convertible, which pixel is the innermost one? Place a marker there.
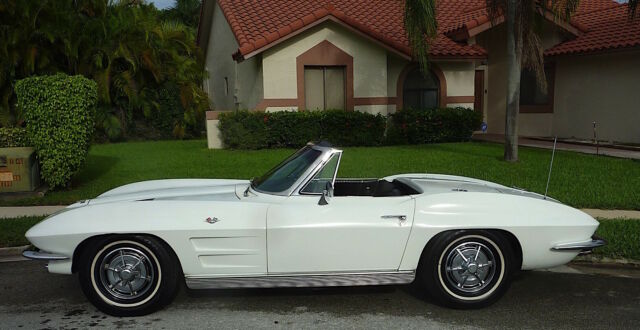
(299, 226)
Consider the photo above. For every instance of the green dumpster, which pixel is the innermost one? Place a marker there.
(19, 171)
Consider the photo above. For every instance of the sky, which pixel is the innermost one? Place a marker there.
(162, 4)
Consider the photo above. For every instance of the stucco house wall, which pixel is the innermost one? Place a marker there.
(529, 124)
(602, 88)
(230, 85)
(269, 82)
(369, 64)
(587, 88)
(376, 71)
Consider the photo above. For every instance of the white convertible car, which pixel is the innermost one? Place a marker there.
(299, 226)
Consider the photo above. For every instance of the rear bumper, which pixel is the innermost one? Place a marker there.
(39, 255)
(582, 247)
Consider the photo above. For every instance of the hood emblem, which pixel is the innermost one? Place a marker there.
(211, 220)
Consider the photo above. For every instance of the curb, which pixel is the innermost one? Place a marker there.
(13, 253)
(606, 262)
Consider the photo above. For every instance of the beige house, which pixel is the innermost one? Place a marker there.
(276, 55)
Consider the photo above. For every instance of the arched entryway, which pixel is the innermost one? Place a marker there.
(419, 90)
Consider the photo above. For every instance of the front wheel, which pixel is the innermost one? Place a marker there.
(467, 269)
(128, 276)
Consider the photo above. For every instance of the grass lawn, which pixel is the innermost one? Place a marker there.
(622, 235)
(623, 238)
(12, 230)
(578, 179)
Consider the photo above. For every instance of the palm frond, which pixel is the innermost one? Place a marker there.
(633, 8)
(422, 27)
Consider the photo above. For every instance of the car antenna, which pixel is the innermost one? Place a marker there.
(546, 190)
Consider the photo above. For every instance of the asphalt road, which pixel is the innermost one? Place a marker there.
(30, 298)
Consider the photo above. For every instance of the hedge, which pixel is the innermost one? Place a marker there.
(412, 126)
(257, 130)
(59, 112)
(13, 137)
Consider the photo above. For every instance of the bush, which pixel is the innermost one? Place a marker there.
(59, 112)
(13, 137)
(256, 130)
(411, 126)
(170, 113)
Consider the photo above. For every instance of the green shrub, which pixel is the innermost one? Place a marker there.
(411, 126)
(13, 137)
(59, 112)
(168, 118)
(256, 130)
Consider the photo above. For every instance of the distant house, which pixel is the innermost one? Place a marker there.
(274, 55)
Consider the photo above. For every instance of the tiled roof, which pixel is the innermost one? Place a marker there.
(608, 27)
(257, 24)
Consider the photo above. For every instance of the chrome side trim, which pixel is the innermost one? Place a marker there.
(302, 280)
(38, 255)
(580, 246)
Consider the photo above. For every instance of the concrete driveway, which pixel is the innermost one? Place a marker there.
(32, 298)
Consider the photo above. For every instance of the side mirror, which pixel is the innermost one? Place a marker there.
(326, 194)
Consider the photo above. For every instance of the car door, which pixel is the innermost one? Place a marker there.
(349, 234)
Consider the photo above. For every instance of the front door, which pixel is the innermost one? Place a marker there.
(349, 234)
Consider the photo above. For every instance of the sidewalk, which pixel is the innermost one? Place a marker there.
(529, 142)
(28, 211)
(21, 211)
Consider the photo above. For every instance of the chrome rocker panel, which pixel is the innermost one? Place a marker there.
(583, 247)
(39, 255)
(302, 280)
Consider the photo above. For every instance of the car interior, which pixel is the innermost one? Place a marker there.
(372, 187)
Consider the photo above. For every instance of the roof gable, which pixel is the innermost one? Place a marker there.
(608, 28)
(260, 24)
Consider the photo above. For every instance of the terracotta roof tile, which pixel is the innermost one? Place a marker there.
(609, 27)
(253, 20)
(259, 23)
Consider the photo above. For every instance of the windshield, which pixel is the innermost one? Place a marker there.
(283, 176)
(319, 182)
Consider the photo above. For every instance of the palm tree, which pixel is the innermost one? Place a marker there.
(186, 12)
(524, 48)
(123, 45)
(633, 6)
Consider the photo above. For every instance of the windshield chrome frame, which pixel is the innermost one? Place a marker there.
(307, 175)
(335, 153)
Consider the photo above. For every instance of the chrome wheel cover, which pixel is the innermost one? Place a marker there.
(126, 273)
(470, 267)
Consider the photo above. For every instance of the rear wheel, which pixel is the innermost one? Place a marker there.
(467, 269)
(128, 276)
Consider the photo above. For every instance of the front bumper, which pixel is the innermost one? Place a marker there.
(582, 247)
(39, 255)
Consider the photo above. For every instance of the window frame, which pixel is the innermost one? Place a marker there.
(321, 167)
(550, 69)
(436, 89)
(324, 83)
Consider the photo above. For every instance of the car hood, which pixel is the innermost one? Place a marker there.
(441, 183)
(174, 189)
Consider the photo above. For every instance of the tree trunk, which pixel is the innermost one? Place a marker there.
(514, 50)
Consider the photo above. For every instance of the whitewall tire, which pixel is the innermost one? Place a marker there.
(467, 269)
(128, 276)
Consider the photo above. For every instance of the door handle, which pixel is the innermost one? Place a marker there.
(399, 217)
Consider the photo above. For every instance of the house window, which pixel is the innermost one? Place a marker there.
(226, 86)
(324, 87)
(420, 91)
(534, 99)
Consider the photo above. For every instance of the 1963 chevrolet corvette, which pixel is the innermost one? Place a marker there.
(299, 226)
